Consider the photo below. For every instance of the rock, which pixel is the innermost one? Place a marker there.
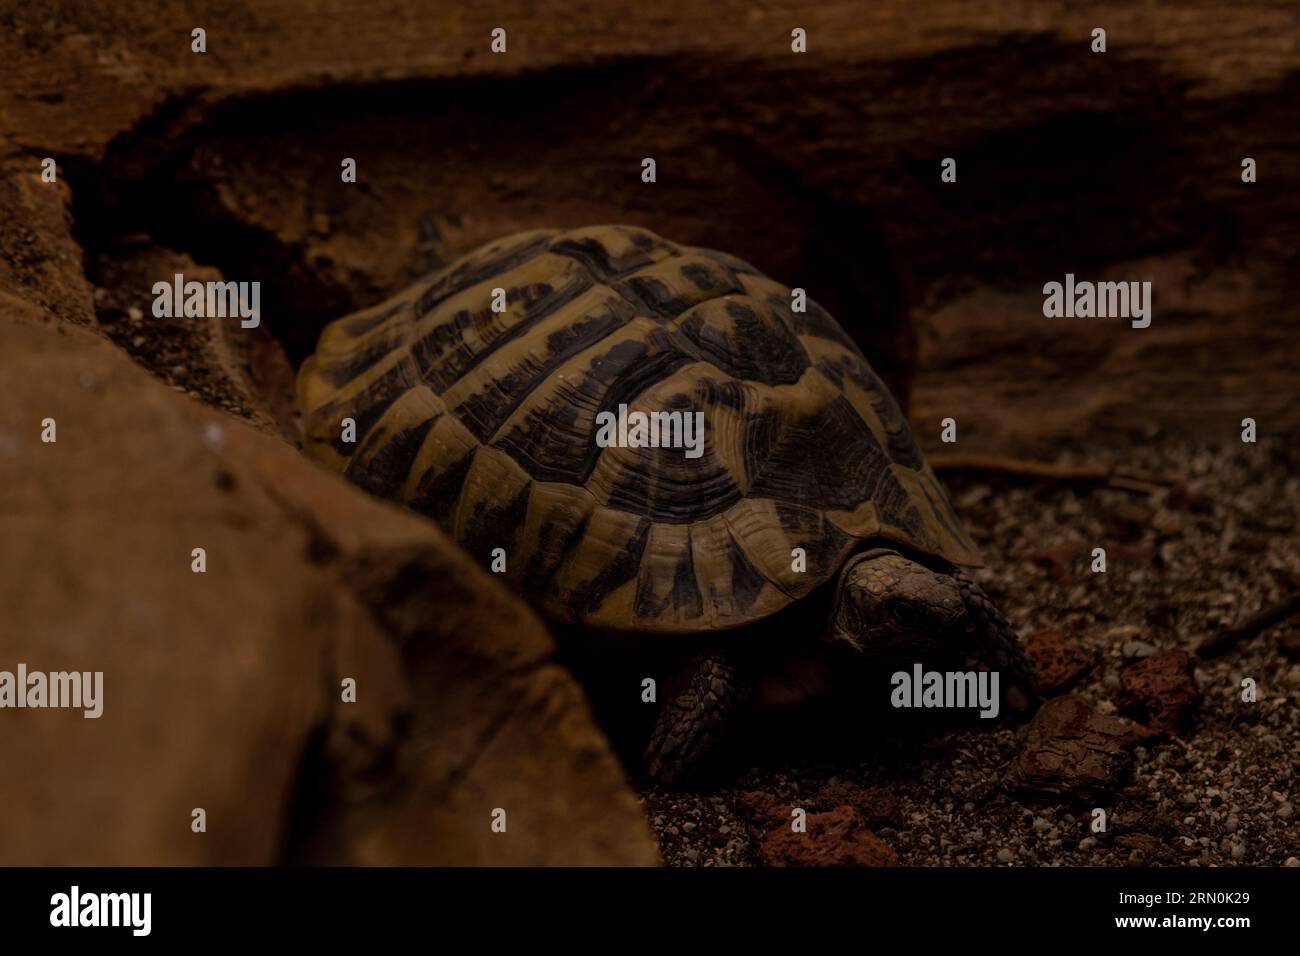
(763, 811)
(93, 98)
(1122, 634)
(1149, 846)
(1006, 855)
(878, 805)
(837, 838)
(221, 690)
(1160, 690)
(1069, 749)
(39, 261)
(226, 364)
(1057, 661)
(1292, 861)
(1136, 650)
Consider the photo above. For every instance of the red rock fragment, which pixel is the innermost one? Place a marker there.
(837, 838)
(1160, 690)
(1068, 748)
(1057, 661)
(877, 805)
(763, 811)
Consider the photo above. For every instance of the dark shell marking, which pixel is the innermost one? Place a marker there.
(486, 422)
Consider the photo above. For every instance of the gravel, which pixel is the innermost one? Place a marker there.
(1182, 564)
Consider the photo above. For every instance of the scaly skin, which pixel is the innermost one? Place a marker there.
(702, 707)
(997, 646)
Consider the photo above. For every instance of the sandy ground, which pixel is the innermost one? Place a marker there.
(1217, 791)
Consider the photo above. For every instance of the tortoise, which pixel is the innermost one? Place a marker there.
(802, 547)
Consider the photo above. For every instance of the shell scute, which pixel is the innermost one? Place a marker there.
(486, 420)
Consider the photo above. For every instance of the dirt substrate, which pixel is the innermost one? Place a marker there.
(1217, 789)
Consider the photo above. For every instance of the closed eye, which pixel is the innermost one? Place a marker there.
(904, 613)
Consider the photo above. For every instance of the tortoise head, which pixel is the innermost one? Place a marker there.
(890, 608)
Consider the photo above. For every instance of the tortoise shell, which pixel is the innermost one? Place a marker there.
(486, 421)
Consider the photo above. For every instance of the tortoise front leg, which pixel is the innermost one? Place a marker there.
(997, 646)
(702, 704)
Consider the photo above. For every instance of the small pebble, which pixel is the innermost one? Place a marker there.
(1006, 855)
(1136, 650)
(1126, 633)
